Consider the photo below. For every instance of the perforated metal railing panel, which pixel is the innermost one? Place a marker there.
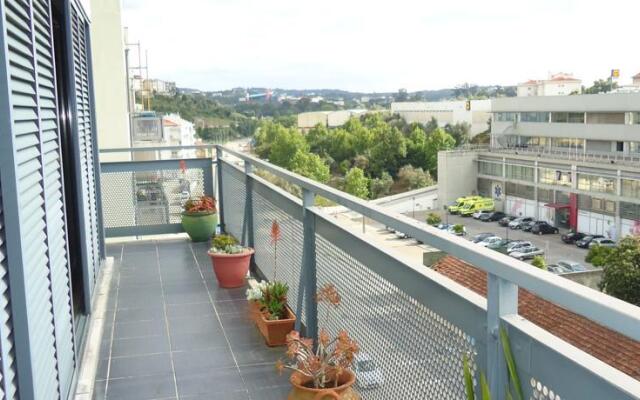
(146, 197)
(406, 349)
(234, 198)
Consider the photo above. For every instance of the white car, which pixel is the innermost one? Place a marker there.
(477, 214)
(368, 375)
(490, 240)
(604, 242)
(516, 246)
(527, 253)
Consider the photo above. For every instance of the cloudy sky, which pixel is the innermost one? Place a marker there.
(382, 45)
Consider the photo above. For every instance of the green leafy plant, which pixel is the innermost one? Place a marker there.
(458, 229)
(514, 384)
(274, 300)
(621, 271)
(433, 219)
(539, 262)
(226, 244)
(597, 255)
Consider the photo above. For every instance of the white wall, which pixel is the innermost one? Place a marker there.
(457, 176)
(596, 224)
(520, 207)
(446, 112)
(630, 227)
(109, 77)
(310, 119)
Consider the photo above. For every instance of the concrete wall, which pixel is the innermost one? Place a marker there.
(310, 119)
(109, 78)
(610, 102)
(446, 112)
(590, 278)
(457, 176)
(423, 199)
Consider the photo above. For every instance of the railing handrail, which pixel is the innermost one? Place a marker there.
(158, 148)
(616, 314)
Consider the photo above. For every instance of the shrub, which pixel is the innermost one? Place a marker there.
(226, 244)
(274, 300)
(597, 255)
(200, 205)
(621, 271)
(410, 178)
(381, 186)
(539, 262)
(458, 228)
(433, 219)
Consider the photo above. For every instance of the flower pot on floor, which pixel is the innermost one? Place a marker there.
(200, 226)
(275, 331)
(302, 391)
(231, 269)
(254, 310)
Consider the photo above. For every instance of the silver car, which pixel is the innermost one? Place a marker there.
(527, 253)
(519, 245)
(604, 242)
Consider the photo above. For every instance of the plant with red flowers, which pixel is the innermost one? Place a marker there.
(200, 205)
(323, 367)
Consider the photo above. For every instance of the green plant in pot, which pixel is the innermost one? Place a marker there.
(230, 261)
(199, 218)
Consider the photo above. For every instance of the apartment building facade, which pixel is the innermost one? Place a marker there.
(51, 244)
(573, 161)
(560, 84)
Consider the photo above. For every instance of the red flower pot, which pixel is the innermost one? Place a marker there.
(231, 269)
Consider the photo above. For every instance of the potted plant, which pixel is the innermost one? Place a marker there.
(323, 372)
(433, 219)
(230, 261)
(199, 218)
(254, 297)
(274, 318)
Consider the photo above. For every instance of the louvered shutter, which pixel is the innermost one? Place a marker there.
(84, 137)
(34, 137)
(7, 367)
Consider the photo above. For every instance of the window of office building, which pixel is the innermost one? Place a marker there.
(570, 117)
(534, 117)
(605, 118)
(505, 116)
(518, 190)
(489, 168)
(594, 183)
(629, 210)
(570, 143)
(635, 117)
(520, 172)
(536, 141)
(634, 147)
(484, 187)
(545, 195)
(595, 204)
(631, 188)
(551, 176)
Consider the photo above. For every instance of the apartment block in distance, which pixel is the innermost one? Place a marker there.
(560, 84)
(573, 161)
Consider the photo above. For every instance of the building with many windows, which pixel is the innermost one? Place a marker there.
(571, 160)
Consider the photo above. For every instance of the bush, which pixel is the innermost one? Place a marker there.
(621, 271)
(458, 228)
(597, 255)
(410, 178)
(539, 262)
(381, 186)
(433, 219)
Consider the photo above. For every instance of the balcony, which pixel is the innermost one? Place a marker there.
(170, 332)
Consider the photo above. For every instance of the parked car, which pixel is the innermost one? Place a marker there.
(481, 236)
(505, 220)
(604, 242)
(544, 228)
(492, 216)
(584, 242)
(526, 253)
(500, 246)
(490, 240)
(529, 225)
(571, 266)
(557, 269)
(368, 375)
(519, 222)
(443, 227)
(572, 237)
(518, 245)
(478, 214)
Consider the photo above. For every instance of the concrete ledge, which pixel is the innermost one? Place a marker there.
(591, 278)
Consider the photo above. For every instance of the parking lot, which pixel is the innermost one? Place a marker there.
(554, 248)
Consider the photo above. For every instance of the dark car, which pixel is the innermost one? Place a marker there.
(492, 216)
(500, 246)
(481, 236)
(529, 226)
(572, 237)
(543, 229)
(505, 220)
(584, 242)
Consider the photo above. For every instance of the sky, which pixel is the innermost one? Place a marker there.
(381, 46)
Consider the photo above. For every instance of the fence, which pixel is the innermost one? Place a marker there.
(412, 322)
(146, 197)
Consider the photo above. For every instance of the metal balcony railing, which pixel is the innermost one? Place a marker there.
(414, 323)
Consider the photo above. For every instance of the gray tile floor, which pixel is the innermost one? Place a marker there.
(174, 334)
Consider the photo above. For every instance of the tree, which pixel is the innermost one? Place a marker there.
(621, 271)
(431, 126)
(388, 151)
(460, 132)
(319, 139)
(539, 262)
(402, 95)
(597, 255)
(438, 140)
(356, 183)
(410, 178)
(602, 86)
(381, 186)
(416, 152)
(311, 166)
(287, 142)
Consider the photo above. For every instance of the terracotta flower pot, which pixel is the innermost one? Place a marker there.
(275, 331)
(231, 269)
(199, 226)
(343, 391)
(254, 310)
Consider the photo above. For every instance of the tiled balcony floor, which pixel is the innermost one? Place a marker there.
(172, 333)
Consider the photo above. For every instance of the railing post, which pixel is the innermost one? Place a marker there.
(220, 196)
(247, 227)
(502, 299)
(308, 270)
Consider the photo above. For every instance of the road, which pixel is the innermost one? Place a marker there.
(555, 249)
